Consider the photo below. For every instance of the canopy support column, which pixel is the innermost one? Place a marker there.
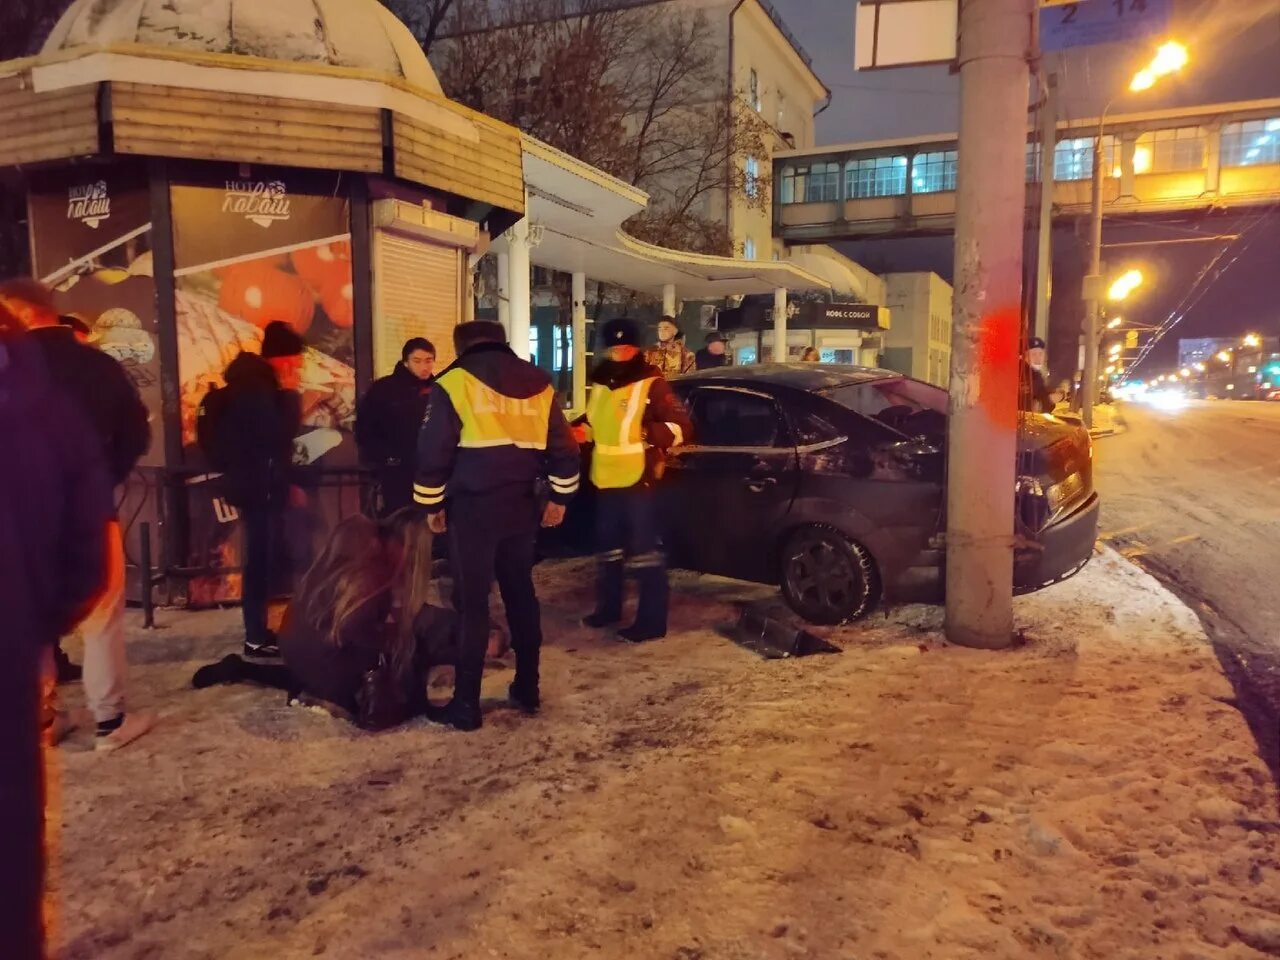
(579, 401)
(780, 325)
(668, 299)
(518, 283)
(504, 293)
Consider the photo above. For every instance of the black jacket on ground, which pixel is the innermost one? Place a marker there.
(666, 422)
(254, 434)
(446, 469)
(706, 360)
(55, 503)
(104, 393)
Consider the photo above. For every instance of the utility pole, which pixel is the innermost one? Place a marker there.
(995, 41)
(1093, 283)
(1048, 171)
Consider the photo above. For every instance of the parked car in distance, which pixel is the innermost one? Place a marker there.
(829, 481)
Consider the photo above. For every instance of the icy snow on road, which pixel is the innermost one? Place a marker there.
(1194, 495)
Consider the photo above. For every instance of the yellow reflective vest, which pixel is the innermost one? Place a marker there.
(491, 419)
(617, 422)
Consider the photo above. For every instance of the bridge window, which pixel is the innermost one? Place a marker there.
(876, 177)
(1251, 142)
(1176, 150)
(1073, 159)
(934, 172)
(824, 183)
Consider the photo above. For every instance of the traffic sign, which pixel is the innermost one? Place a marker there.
(1090, 22)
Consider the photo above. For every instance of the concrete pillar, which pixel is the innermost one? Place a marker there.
(668, 299)
(469, 289)
(1213, 159)
(518, 283)
(504, 292)
(579, 341)
(780, 325)
(1128, 149)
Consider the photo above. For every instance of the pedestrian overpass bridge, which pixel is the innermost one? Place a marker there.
(1169, 161)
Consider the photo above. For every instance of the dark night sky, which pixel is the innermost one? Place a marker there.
(1235, 50)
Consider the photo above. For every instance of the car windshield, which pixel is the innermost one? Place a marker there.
(909, 406)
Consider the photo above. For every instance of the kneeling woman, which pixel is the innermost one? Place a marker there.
(359, 635)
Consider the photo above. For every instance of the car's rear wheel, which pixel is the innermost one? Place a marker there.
(827, 578)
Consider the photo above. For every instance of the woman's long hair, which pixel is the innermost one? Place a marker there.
(363, 561)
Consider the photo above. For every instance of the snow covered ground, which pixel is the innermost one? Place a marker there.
(1087, 795)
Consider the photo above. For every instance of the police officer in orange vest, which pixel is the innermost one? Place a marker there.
(493, 434)
(633, 418)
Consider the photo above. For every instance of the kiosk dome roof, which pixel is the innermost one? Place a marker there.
(359, 34)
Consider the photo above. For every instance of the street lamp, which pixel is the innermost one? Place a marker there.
(1186, 372)
(1170, 58)
(1253, 340)
(1124, 285)
(1225, 356)
(1114, 323)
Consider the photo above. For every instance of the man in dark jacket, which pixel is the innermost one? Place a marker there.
(713, 354)
(389, 418)
(634, 418)
(105, 395)
(55, 504)
(494, 433)
(1035, 394)
(252, 445)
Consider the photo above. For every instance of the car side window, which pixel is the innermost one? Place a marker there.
(735, 418)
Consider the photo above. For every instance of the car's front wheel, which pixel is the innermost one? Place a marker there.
(826, 577)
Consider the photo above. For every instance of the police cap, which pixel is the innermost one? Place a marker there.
(622, 332)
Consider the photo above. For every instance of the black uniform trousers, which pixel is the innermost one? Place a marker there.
(494, 536)
(628, 536)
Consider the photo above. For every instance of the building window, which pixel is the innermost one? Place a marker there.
(1073, 159)
(755, 91)
(824, 183)
(876, 177)
(1171, 151)
(934, 172)
(1251, 142)
(753, 177)
(749, 249)
(787, 185)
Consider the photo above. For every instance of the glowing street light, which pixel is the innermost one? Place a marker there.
(1225, 356)
(1114, 323)
(1201, 368)
(1125, 284)
(1185, 372)
(1253, 340)
(1170, 58)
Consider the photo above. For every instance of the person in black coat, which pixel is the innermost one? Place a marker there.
(1035, 395)
(257, 417)
(713, 354)
(55, 504)
(105, 395)
(389, 418)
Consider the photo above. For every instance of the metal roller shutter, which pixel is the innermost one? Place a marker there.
(417, 294)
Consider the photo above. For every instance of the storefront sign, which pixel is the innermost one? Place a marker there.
(845, 316)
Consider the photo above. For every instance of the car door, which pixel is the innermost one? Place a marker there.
(729, 491)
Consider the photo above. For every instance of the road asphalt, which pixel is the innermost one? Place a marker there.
(1193, 494)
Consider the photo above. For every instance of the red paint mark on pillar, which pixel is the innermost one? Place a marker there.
(998, 364)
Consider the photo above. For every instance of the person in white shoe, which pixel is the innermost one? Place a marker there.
(103, 392)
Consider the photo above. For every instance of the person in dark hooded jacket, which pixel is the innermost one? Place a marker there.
(388, 421)
(252, 440)
(55, 506)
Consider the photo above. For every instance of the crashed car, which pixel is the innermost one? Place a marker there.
(830, 481)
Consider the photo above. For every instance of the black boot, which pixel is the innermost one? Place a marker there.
(462, 712)
(523, 692)
(609, 583)
(655, 595)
